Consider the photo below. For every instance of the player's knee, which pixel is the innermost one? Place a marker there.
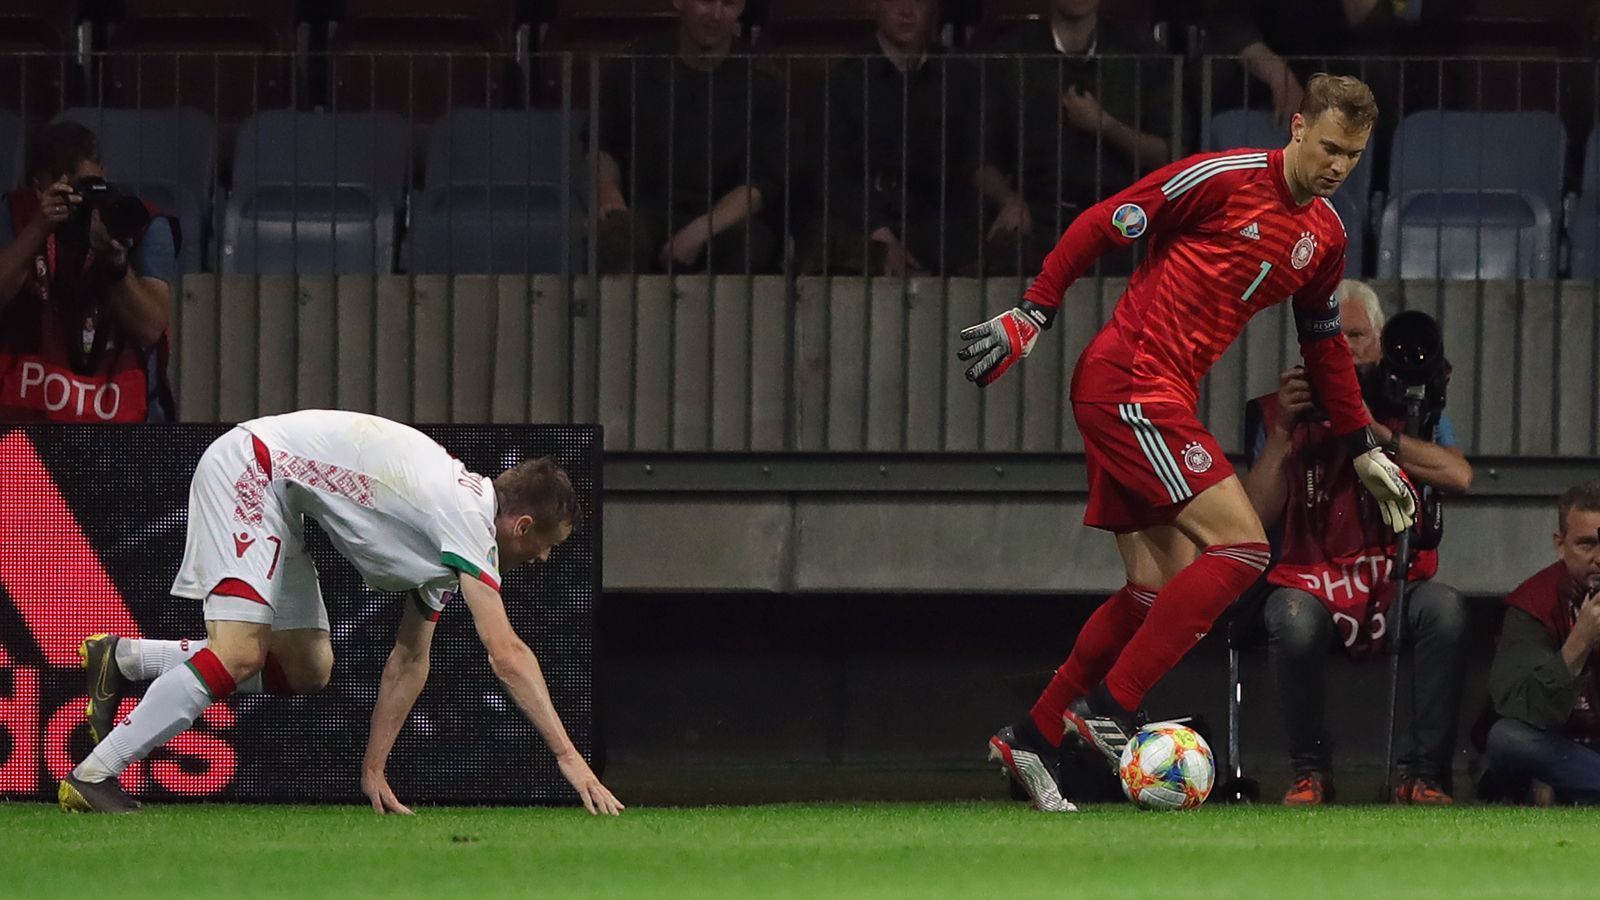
(304, 669)
(313, 677)
(242, 659)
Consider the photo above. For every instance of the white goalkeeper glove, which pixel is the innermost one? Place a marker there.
(998, 343)
(1385, 481)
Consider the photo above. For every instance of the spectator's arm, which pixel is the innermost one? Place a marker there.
(1357, 12)
(735, 206)
(1146, 150)
(612, 138)
(608, 187)
(994, 186)
(1530, 680)
(1265, 65)
(1266, 482)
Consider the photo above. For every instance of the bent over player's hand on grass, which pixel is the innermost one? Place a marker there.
(998, 343)
(376, 787)
(596, 797)
(1386, 482)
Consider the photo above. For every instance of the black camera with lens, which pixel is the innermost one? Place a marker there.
(124, 215)
(1414, 370)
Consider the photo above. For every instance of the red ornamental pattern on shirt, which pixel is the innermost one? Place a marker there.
(251, 484)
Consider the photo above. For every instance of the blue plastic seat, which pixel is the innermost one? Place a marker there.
(169, 156)
(1463, 206)
(316, 193)
(505, 193)
(1583, 220)
(1253, 129)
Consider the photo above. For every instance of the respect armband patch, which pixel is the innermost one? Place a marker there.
(1319, 323)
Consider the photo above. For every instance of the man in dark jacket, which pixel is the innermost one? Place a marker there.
(1544, 684)
(690, 143)
(902, 146)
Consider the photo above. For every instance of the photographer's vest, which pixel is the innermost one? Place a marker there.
(1552, 597)
(63, 358)
(1335, 545)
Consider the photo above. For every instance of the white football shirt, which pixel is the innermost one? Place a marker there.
(399, 507)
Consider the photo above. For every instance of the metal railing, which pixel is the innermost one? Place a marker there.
(368, 296)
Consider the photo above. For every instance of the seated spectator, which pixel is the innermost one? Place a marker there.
(1074, 119)
(1262, 32)
(1332, 584)
(1544, 683)
(901, 149)
(691, 151)
(83, 313)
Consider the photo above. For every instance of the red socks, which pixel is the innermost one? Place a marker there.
(1182, 614)
(1096, 648)
(212, 673)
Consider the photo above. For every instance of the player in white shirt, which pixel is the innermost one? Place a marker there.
(405, 513)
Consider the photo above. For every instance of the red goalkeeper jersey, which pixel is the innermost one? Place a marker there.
(1225, 240)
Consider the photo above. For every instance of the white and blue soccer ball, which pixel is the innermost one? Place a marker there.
(1167, 766)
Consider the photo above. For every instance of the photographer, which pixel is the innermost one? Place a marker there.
(85, 291)
(1544, 683)
(1332, 581)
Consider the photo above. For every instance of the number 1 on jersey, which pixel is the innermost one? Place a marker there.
(1265, 268)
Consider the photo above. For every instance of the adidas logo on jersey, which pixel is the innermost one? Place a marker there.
(1251, 231)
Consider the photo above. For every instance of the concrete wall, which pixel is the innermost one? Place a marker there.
(846, 364)
(974, 491)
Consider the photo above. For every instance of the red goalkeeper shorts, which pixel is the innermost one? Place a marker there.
(1145, 461)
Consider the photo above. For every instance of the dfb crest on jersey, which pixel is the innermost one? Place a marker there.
(1303, 248)
(1130, 220)
(1197, 458)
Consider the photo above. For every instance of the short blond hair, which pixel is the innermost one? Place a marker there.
(1345, 93)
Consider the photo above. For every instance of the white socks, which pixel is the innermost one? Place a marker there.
(170, 706)
(141, 659)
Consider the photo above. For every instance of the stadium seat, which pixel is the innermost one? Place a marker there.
(227, 59)
(594, 32)
(49, 76)
(1254, 129)
(315, 193)
(1000, 16)
(813, 26)
(1583, 218)
(498, 185)
(168, 155)
(422, 58)
(606, 24)
(1464, 204)
(10, 149)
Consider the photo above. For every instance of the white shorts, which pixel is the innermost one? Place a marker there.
(240, 527)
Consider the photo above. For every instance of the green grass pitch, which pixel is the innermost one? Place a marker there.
(872, 850)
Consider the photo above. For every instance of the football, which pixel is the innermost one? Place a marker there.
(1167, 766)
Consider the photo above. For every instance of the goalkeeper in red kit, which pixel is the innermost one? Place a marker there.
(1228, 234)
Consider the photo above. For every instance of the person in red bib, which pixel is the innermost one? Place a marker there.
(83, 316)
(1227, 235)
(1331, 582)
(1544, 683)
